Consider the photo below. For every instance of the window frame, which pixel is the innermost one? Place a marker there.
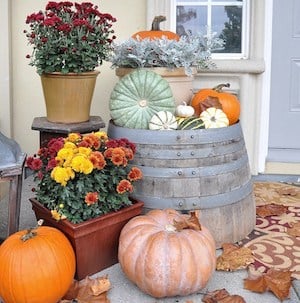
(244, 54)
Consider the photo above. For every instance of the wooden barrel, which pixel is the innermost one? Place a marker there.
(196, 169)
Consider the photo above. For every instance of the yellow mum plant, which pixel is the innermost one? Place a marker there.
(84, 176)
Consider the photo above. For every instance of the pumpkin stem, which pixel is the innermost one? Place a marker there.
(156, 22)
(31, 233)
(219, 87)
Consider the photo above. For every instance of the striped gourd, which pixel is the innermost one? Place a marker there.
(190, 123)
(163, 120)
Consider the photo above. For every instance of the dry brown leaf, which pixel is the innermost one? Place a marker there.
(88, 290)
(277, 281)
(271, 210)
(294, 229)
(234, 257)
(210, 102)
(287, 191)
(222, 296)
(191, 222)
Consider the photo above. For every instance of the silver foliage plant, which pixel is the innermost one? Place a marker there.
(188, 52)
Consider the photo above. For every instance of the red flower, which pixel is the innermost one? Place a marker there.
(124, 186)
(91, 198)
(34, 163)
(135, 174)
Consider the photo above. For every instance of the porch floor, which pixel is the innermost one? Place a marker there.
(125, 292)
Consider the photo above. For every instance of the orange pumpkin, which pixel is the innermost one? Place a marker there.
(163, 257)
(36, 266)
(230, 103)
(156, 32)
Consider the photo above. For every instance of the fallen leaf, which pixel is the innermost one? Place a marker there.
(189, 222)
(222, 296)
(287, 191)
(210, 102)
(294, 229)
(271, 210)
(234, 257)
(277, 281)
(88, 290)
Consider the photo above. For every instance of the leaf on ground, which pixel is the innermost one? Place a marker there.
(222, 296)
(88, 290)
(234, 257)
(271, 210)
(210, 102)
(294, 229)
(287, 191)
(277, 281)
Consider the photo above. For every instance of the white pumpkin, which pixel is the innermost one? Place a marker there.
(163, 120)
(214, 118)
(184, 110)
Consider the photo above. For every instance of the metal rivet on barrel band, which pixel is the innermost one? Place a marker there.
(179, 173)
(178, 154)
(194, 203)
(193, 153)
(193, 172)
(192, 136)
(180, 204)
(178, 137)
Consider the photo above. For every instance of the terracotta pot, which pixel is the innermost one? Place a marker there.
(95, 241)
(68, 97)
(181, 84)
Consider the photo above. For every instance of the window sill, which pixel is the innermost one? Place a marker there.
(240, 66)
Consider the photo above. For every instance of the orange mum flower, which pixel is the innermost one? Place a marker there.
(92, 140)
(128, 153)
(124, 186)
(91, 198)
(118, 157)
(97, 159)
(135, 174)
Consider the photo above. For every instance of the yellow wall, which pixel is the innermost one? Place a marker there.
(27, 96)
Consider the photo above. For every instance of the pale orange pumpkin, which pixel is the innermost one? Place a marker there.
(156, 32)
(230, 103)
(164, 260)
(36, 266)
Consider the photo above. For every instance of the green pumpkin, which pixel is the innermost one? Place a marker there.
(137, 97)
(190, 123)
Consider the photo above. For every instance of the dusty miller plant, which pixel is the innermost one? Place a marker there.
(188, 52)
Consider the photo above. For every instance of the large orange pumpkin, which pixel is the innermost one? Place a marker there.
(230, 103)
(162, 257)
(36, 266)
(156, 32)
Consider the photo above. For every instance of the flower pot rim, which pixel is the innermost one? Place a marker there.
(85, 74)
(162, 71)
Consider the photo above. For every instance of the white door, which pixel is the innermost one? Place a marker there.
(284, 128)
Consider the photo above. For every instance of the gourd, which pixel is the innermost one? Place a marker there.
(138, 96)
(164, 255)
(36, 265)
(214, 118)
(156, 32)
(163, 120)
(190, 123)
(230, 103)
(184, 110)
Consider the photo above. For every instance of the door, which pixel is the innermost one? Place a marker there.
(284, 127)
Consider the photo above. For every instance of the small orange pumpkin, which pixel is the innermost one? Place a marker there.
(230, 103)
(36, 266)
(156, 32)
(164, 256)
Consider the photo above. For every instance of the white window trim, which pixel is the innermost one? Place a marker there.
(168, 9)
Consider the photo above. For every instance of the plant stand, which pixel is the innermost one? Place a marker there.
(49, 130)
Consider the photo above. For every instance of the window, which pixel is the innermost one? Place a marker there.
(227, 18)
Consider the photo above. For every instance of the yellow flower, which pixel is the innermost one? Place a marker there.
(84, 151)
(60, 175)
(70, 145)
(82, 165)
(55, 214)
(102, 136)
(73, 137)
(65, 153)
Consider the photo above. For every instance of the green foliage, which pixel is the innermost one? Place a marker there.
(190, 51)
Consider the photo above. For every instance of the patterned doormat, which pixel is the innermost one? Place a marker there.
(271, 245)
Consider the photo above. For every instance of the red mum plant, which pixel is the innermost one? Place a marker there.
(84, 176)
(69, 37)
